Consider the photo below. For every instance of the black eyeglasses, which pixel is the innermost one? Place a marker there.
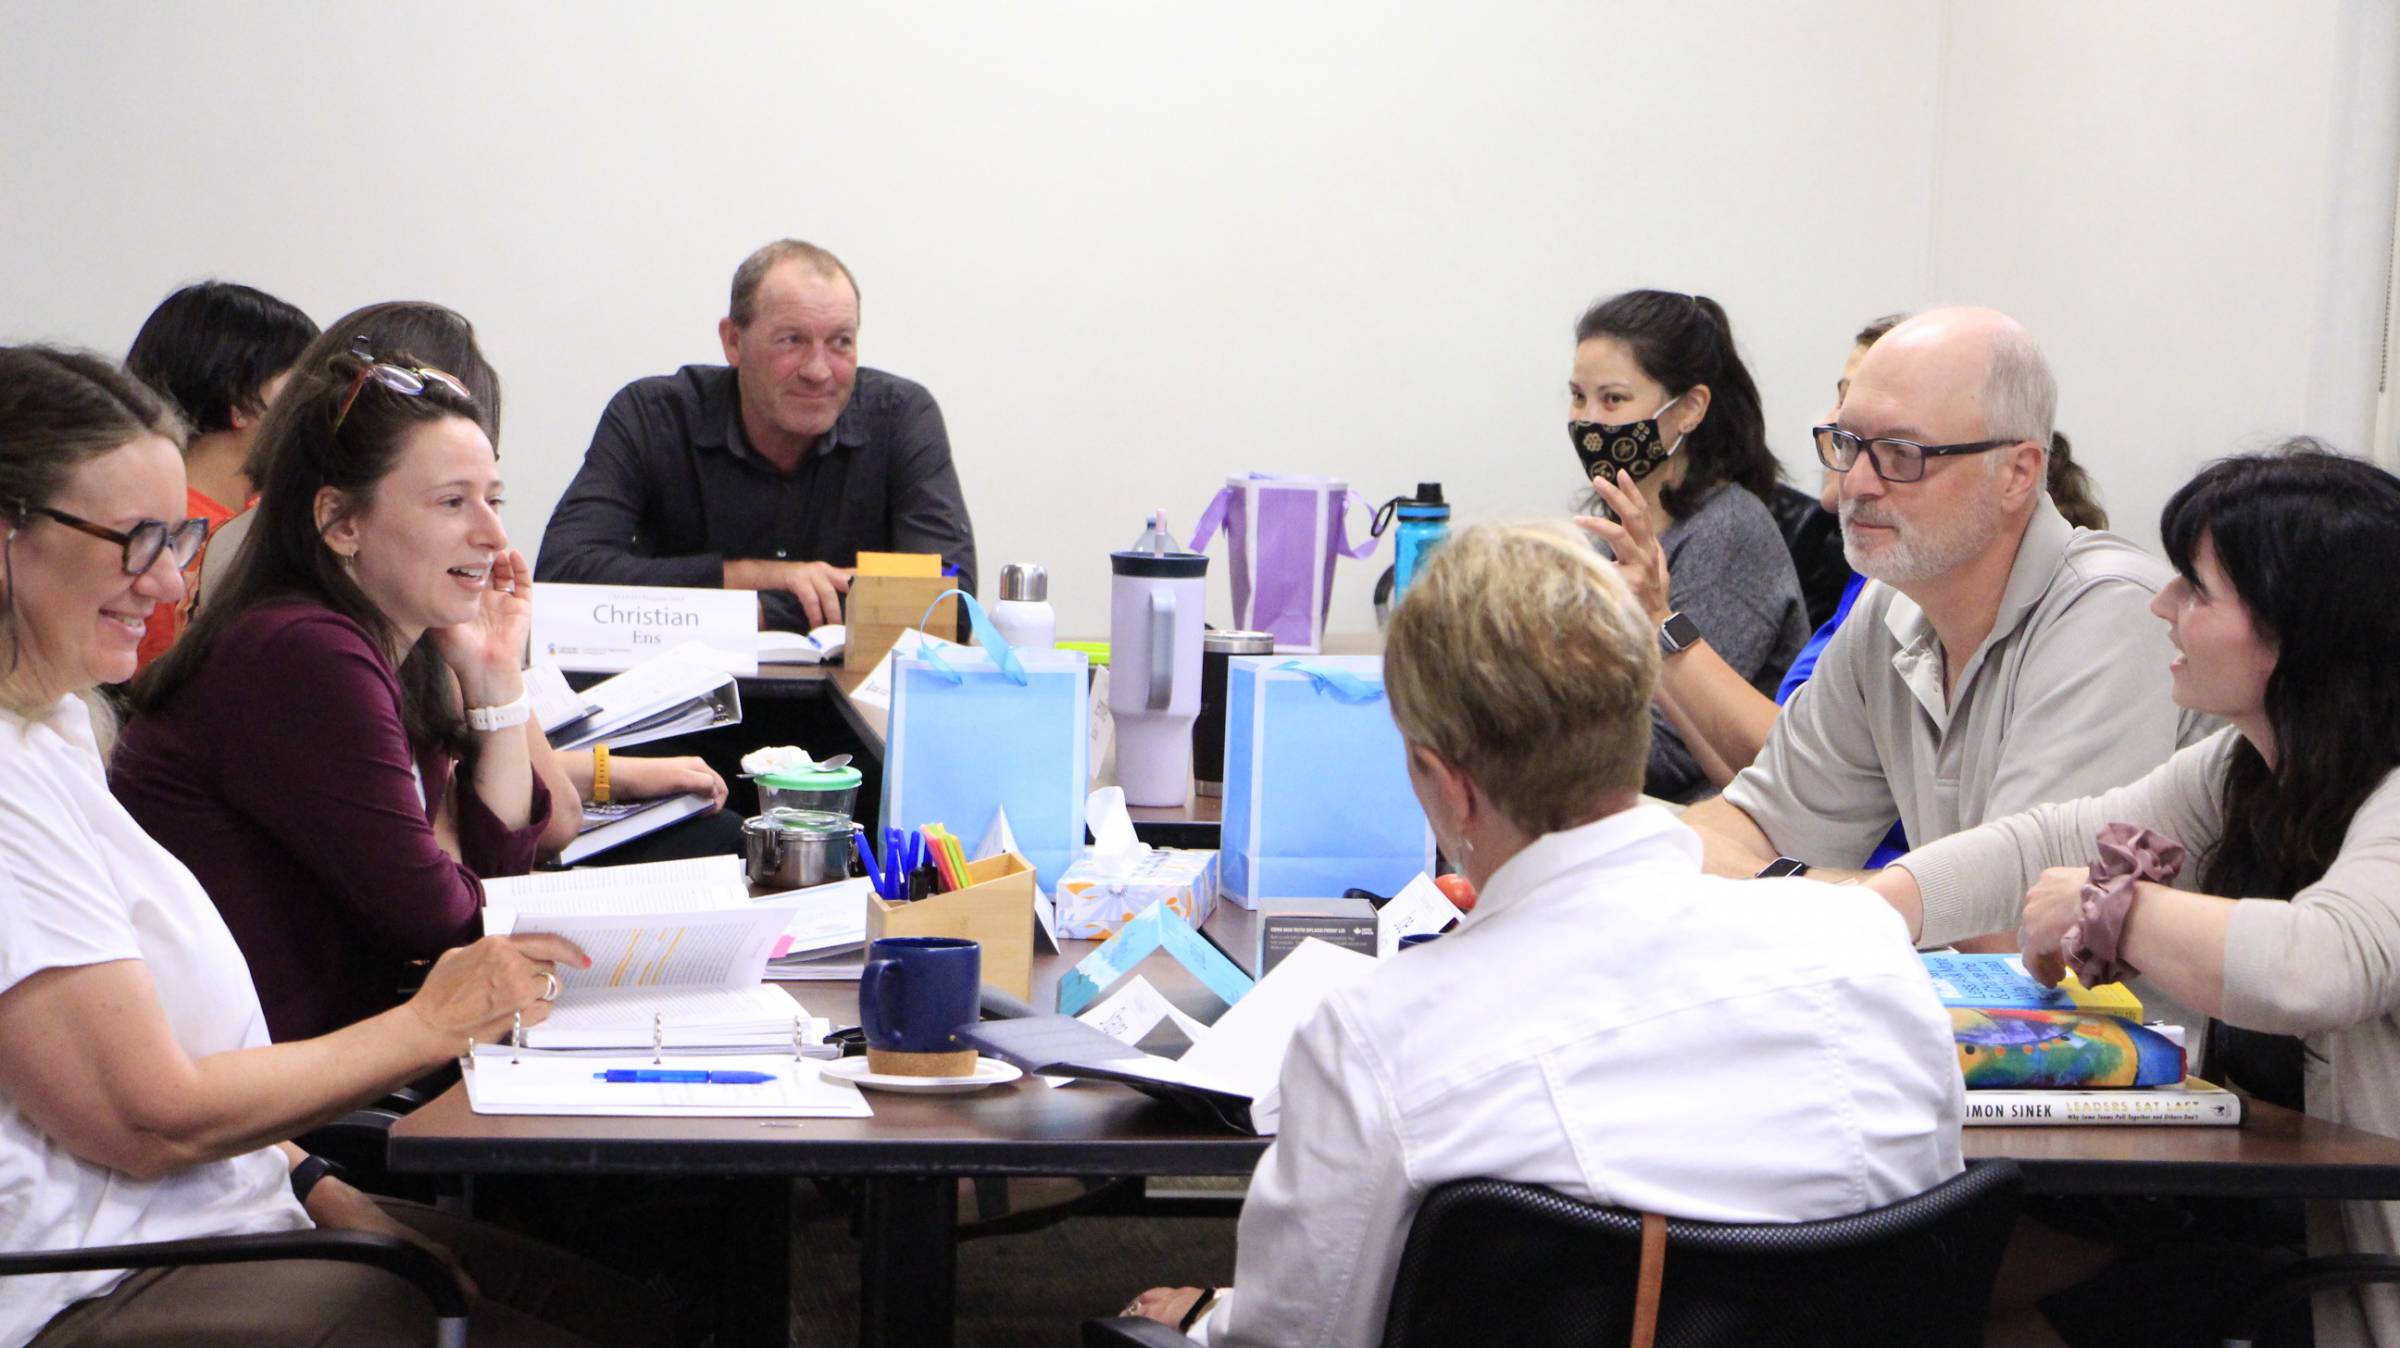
(144, 541)
(1893, 460)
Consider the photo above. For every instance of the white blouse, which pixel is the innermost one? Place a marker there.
(80, 883)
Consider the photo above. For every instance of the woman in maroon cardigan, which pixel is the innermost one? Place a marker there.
(339, 746)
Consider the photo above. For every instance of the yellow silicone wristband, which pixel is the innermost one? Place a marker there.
(600, 774)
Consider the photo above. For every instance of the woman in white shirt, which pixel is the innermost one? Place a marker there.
(140, 1099)
(1642, 1035)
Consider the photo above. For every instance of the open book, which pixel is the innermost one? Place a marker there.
(677, 947)
(1230, 1071)
(816, 646)
(679, 691)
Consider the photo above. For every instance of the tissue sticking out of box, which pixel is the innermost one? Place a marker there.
(1116, 853)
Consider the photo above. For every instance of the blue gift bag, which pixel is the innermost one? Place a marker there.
(975, 732)
(1316, 782)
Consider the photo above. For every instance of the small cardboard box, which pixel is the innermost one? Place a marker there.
(1091, 906)
(1283, 924)
(889, 595)
(996, 912)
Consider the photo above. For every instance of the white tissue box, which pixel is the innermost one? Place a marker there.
(1092, 906)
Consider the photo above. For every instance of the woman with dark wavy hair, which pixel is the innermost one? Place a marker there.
(2286, 921)
(1662, 411)
(338, 746)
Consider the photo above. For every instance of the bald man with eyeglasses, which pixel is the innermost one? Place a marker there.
(2001, 658)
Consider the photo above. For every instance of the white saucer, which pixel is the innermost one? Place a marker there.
(988, 1072)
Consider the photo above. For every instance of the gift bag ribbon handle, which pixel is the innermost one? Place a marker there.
(1212, 519)
(1341, 528)
(1343, 685)
(1004, 656)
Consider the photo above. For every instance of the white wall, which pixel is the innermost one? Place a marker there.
(1134, 247)
(1130, 247)
(2184, 200)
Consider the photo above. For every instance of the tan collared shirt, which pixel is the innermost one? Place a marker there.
(2067, 697)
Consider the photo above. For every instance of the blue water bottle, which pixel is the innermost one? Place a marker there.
(1424, 525)
(1424, 521)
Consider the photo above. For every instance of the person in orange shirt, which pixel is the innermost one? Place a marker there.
(220, 351)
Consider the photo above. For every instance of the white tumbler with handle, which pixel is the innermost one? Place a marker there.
(1157, 606)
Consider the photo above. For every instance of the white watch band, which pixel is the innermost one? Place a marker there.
(503, 717)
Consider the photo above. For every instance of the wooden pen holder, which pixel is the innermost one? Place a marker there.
(880, 608)
(995, 912)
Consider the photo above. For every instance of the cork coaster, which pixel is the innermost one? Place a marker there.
(887, 1062)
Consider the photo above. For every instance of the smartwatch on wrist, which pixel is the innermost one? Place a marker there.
(306, 1174)
(502, 717)
(1781, 866)
(1677, 633)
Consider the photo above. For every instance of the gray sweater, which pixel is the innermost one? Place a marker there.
(2324, 966)
(1732, 576)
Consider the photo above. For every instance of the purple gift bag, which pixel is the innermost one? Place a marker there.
(1285, 532)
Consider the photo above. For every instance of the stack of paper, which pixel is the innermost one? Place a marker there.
(525, 1081)
(826, 937)
(678, 949)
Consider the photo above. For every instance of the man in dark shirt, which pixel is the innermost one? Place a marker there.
(771, 472)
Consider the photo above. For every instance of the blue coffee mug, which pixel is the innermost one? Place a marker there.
(915, 992)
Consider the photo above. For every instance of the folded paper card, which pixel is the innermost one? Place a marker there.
(1154, 928)
(1419, 909)
(1129, 1014)
(607, 628)
(1231, 1070)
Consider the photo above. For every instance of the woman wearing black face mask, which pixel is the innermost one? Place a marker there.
(1665, 423)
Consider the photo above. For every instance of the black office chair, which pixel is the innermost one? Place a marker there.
(1489, 1261)
(419, 1266)
(356, 1143)
(2281, 1293)
(1814, 537)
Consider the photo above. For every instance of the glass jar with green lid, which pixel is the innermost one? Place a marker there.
(834, 791)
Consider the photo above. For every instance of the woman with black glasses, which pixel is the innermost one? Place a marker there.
(140, 1099)
(340, 745)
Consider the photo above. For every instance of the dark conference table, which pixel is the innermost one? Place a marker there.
(910, 1156)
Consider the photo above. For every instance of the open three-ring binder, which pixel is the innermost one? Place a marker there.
(506, 1079)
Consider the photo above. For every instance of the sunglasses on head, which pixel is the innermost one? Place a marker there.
(409, 380)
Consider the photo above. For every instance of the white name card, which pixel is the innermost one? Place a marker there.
(607, 629)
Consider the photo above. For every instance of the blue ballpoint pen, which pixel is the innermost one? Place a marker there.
(673, 1077)
(866, 859)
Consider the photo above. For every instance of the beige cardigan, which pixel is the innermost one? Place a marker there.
(2324, 966)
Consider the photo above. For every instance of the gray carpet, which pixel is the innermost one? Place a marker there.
(1028, 1291)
